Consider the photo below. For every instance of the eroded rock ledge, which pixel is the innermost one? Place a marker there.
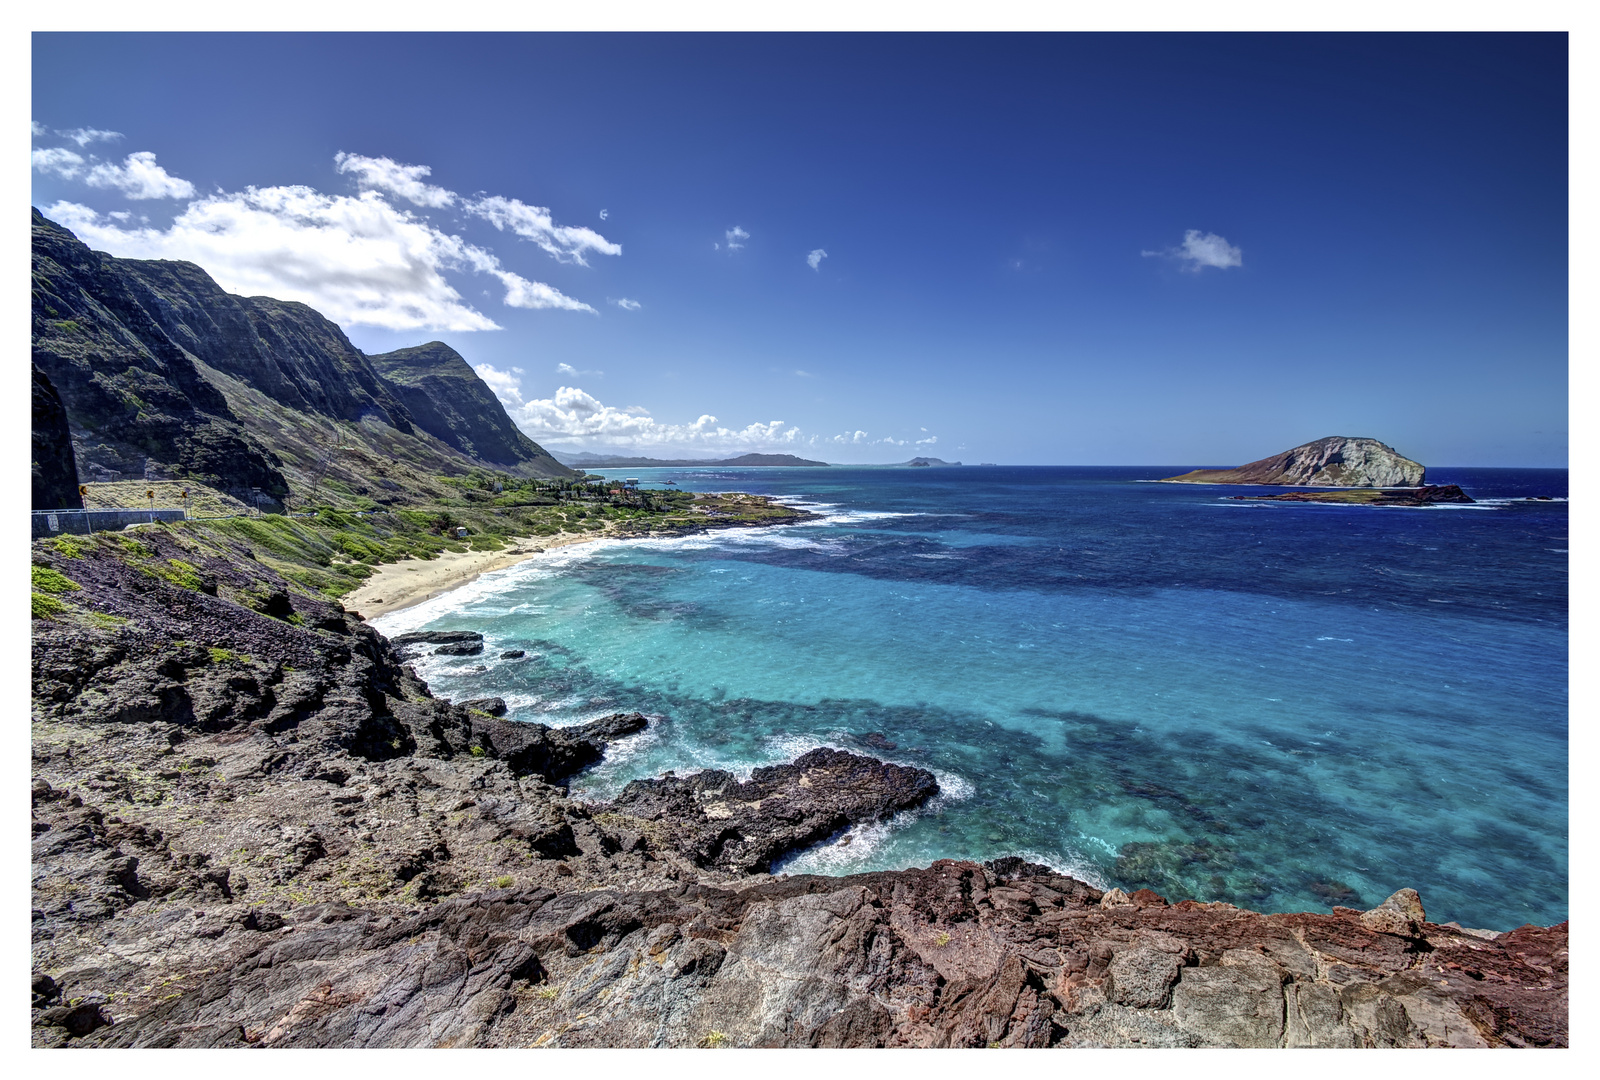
(253, 825)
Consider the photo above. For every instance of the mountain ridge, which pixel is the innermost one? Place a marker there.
(162, 372)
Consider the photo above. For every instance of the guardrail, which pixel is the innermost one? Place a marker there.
(52, 522)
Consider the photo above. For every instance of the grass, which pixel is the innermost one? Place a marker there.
(46, 580)
(177, 572)
(228, 656)
(47, 607)
(69, 546)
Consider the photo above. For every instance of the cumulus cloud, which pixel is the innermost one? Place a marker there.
(356, 259)
(627, 305)
(507, 385)
(736, 238)
(139, 177)
(604, 214)
(574, 415)
(59, 160)
(1200, 250)
(385, 174)
(566, 242)
(814, 260)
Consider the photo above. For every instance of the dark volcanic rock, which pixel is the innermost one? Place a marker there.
(437, 637)
(462, 648)
(513, 654)
(55, 469)
(957, 955)
(719, 822)
(552, 753)
(494, 706)
(1421, 496)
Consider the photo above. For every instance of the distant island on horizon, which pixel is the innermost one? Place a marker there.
(587, 460)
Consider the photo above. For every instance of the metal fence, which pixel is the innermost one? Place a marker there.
(51, 522)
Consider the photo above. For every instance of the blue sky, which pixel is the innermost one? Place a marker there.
(1039, 249)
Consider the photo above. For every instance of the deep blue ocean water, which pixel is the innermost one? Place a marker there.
(1149, 685)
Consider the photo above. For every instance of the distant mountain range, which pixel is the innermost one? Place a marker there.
(160, 371)
(924, 462)
(611, 461)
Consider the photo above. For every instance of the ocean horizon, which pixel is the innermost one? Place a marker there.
(1281, 706)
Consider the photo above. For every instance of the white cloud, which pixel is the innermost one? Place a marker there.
(736, 238)
(139, 177)
(604, 214)
(39, 130)
(1201, 250)
(573, 373)
(386, 174)
(566, 242)
(573, 415)
(814, 260)
(804, 374)
(627, 305)
(520, 292)
(505, 384)
(85, 136)
(354, 259)
(929, 441)
(58, 160)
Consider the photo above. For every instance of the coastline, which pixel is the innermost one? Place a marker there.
(400, 585)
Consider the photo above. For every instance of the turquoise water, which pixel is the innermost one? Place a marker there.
(1285, 707)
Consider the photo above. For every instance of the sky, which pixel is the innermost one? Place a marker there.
(1163, 249)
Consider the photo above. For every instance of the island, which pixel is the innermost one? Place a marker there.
(743, 461)
(1338, 461)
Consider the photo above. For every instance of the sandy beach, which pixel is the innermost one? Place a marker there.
(400, 585)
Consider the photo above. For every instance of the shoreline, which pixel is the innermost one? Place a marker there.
(400, 585)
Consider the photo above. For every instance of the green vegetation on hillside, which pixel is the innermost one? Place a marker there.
(331, 549)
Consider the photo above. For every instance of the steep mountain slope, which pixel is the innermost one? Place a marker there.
(55, 472)
(130, 392)
(1336, 461)
(286, 350)
(159, 368)
(447, 400)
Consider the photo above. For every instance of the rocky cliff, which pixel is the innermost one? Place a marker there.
(55, 470)
(254, 826)
(157, 365)
(1337, 461)
(447, 400)
(130, 392)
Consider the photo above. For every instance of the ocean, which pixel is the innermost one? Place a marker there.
(1281, 706)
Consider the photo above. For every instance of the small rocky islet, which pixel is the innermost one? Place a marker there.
(255, 826)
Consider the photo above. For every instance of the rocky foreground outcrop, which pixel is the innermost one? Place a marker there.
(254, 826)
(1338, 461)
